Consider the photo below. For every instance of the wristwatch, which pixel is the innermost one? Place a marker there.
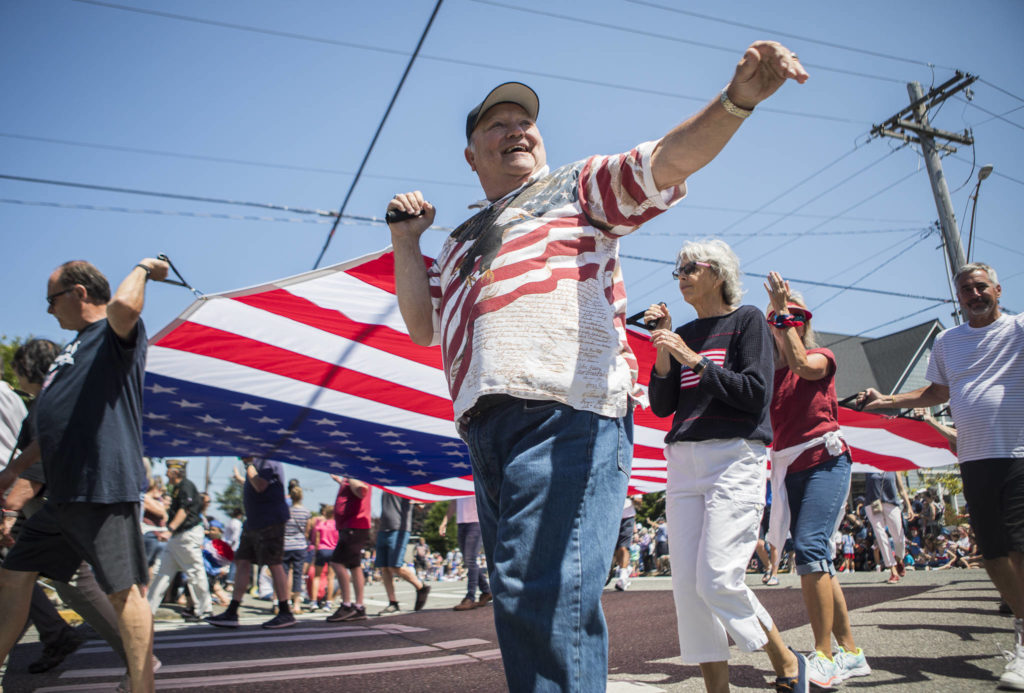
(699, 367)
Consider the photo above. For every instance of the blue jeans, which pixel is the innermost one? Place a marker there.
(817, 497)
(550, 482)
(469, 545)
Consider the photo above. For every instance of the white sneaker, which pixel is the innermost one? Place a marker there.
(852, 663)
(622, 584)
(1012, 677)
(822, 671)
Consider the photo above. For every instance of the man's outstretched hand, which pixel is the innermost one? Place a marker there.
(765, 66)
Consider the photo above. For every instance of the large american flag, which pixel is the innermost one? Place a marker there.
(318, 370)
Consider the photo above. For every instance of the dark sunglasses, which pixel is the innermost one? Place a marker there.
(689, 268)
(53, 297)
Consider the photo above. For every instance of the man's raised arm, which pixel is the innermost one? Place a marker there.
(125, 307)
(412, 286)
(690, 146)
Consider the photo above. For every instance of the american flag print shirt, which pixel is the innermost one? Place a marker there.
(528, 294)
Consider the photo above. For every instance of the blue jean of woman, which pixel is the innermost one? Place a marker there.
(550, 481)
(817, 498)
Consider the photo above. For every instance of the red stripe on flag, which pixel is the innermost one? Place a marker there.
(911, 429)
(288, 305)
(886, 463)
(380, 272)
(433, 489)
(226, 346)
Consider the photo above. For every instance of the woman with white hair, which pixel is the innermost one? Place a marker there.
(811, 478)
(714, 376)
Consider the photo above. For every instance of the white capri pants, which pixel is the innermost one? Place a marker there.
(890, 518)
(714, 498)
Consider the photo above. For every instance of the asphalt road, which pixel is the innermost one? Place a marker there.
(936, 631)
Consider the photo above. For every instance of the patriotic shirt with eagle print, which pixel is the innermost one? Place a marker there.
(528, 294)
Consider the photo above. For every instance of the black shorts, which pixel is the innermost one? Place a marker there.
(994, 490)
(626, 527)
(263, 546)
(107, 536)
(349, 551)
(322, 557)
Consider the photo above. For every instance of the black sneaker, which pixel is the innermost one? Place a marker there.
(224, 620)
(55, 654)
(342, 613)
(193, 618)
(358, 613)
(284, 619)
(391, 608)
(421, 597)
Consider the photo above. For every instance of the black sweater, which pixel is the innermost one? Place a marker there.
(731, 397)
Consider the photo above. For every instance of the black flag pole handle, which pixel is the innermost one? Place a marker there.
(180, 281)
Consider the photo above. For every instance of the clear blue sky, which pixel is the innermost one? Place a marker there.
(282, 112)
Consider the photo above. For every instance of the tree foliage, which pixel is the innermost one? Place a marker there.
(230, 499)
(7, 348)
(430, 525)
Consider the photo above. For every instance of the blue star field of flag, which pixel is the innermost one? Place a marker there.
(183, 419)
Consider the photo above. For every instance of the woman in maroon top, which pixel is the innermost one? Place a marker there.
(810, 478)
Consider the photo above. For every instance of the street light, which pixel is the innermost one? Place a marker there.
(984, 173)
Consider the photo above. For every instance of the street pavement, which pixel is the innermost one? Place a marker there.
(935, 631)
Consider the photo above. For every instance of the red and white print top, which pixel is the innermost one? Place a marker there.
(532, 303)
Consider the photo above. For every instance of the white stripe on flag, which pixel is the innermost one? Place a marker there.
(268, 328)
(882, 442)
(213, 372)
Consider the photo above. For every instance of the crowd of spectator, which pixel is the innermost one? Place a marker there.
(314, 586)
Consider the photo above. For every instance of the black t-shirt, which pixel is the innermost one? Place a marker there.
(186, 496)
(88, 418)
(270, 507)
(35, 471)
(881, 486)
(395, 512)
(731, 396)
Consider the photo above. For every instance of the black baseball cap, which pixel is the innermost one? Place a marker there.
(509, 92)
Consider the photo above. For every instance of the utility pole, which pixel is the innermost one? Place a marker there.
(919, 131)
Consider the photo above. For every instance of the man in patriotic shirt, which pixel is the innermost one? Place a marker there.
(527, 302)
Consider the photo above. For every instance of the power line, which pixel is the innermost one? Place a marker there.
(783, 234)
(431, 181)
(789, 190)
(162, 212)
(380, 127)
(776, 32)
(349, 219)
(882, 292)
(700, 44)
(219, 159)
(1000, 245)
(888, 322)
(243, 27)
(320, 212)
(457, 61)
(839, 214)
(994, 171)
(636, 89)
(1000, 89)
(820, 195)
(995, 116)
(172, 196)
(876, 268)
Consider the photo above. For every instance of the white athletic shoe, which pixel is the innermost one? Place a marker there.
(822, 671)
(852, 663)
(1012, 677)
